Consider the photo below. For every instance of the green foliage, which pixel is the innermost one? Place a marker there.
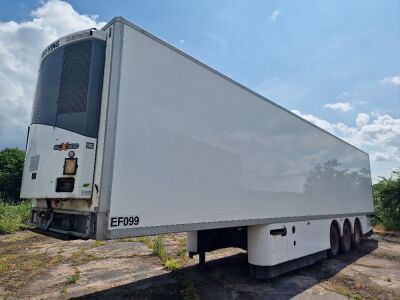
(71, 279)
(181, 252)
(14, 217)
(146, 240)
(98, 243)
(387, 202)
(171, 265)
(159, 248)
(11, 168)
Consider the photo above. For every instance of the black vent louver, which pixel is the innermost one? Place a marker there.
(73, 93)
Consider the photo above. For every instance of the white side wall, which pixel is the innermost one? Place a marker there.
(193, 147)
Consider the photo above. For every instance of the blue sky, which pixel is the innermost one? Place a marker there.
(336, 63)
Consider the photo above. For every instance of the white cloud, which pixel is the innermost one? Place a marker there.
(181, 41)
(390, 154)
(343, 106)
(317, 121)
(274, 16)
(392, 80)
(20, 48)
(362, 119)
(380, 137)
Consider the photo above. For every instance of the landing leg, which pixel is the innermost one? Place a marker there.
(202, 260)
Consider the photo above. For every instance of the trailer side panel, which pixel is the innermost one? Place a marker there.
(192, 147)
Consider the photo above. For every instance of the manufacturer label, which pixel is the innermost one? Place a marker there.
(50, 48)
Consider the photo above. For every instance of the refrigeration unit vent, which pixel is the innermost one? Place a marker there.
(73, 93)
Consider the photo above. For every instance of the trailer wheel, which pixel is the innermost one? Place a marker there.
(334, 238)
(356, 236)
(345, 241)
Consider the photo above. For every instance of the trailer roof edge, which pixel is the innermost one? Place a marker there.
(152, 36)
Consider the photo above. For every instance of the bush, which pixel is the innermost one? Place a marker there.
(387, 202)
(11, 168)
(14, 217)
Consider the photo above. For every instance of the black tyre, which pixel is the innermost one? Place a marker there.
(356, 236)
(345, 241)
(334, 238)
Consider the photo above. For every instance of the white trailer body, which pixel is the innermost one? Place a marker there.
(171, 145)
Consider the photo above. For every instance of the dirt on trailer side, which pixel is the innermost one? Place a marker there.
(42, 267)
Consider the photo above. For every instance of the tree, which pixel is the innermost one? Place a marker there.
(387, 202)
(11, 168)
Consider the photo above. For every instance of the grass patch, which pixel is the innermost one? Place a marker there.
(349, 294)
(182, 242)
(171, 265)
(386, 255)
(72, 279)
(125, 240)
(159, 248)
(54, 260)
(14, 217)
(18, 270)
(81, 257)
(98, 243)
(63, 290)
(3, 267)
(357, 287)
(32, 264)
(181, 252)
(146, 240)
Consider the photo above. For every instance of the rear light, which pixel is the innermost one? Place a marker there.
(65, 185)
(70, 166)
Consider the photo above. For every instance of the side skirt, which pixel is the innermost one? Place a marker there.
(268, 272)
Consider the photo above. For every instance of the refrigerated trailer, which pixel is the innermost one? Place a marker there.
(131, 136)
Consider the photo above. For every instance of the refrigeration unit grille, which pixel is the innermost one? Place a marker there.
(73, 93)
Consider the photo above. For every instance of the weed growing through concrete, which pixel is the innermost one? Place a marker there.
(146, 240)
(159, 248)
(181, 252)
(71, 279)
(98, 243)
(171, 264)
(81, 257)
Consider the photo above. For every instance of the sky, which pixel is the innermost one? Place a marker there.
(334, 63)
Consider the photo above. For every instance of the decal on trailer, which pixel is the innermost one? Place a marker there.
(50, 48)
(124, 221)
(66, 146)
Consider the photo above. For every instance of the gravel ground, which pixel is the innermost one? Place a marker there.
(42, 267)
